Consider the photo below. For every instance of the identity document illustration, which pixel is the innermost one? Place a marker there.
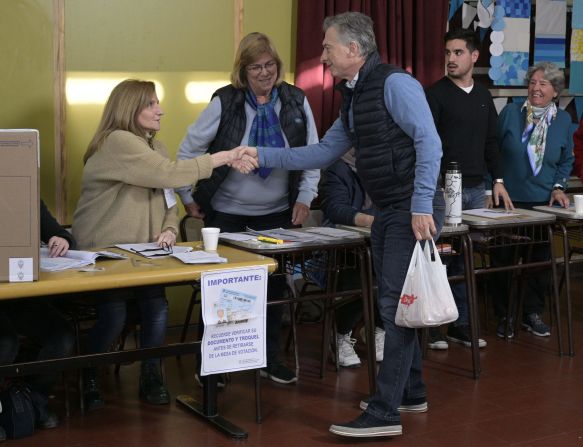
(233, 306)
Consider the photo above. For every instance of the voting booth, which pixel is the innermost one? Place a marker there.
(19, 205)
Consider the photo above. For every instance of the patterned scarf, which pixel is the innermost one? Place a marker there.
(265, 130)
(536, 134)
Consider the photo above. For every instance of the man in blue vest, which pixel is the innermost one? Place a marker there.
(385, 116)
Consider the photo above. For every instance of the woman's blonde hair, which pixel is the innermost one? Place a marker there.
(251, 48)
(121, 112)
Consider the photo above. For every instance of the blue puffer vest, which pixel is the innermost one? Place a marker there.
(292, 119)
(385, 154)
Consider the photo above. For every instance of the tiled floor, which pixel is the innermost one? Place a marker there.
(527, 396)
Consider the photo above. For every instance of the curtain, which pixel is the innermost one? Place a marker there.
(409, 34)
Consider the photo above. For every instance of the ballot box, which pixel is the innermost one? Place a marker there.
(19, 205)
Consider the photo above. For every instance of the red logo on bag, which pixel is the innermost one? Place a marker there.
(407, 300)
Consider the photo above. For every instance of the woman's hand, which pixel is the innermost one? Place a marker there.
(167, 237)
(58, 246)
(235, 158)
(560, 197)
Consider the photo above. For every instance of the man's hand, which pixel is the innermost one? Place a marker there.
(58, 246)
(300, 213)
(245, 164)
(192, 209)
(560, 197)
(488, 202)
(499, 191)
(423, 226)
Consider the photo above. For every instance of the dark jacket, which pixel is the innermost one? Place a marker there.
(49, 227)
(341, 195)
(383, 150)
(292, 119)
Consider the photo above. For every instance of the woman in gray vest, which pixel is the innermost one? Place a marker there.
(257, 108)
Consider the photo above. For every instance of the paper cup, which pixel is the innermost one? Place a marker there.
(210, 238)
(578, 203)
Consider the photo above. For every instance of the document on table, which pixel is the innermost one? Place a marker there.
(285, 235)
(199, 257)
(152, 249)
(491, 213)
(236, 236)
(73, 259)
(333, 232)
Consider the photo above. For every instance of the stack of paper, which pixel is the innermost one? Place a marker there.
(73, 259)
(199, 257)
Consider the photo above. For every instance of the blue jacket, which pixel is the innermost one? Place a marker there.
(341, 195)
(519, 180)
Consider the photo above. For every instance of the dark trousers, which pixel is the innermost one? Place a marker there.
(276, 285)
(45, 328)
(536, 284)
(112, 314)
(392, 242)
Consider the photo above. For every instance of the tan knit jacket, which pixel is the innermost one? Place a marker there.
(122, 197)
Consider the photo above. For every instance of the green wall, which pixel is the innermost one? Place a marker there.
(171, 41)
(26, 77)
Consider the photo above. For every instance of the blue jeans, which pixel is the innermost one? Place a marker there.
(112, 313)
(472, 198)
(392, 243)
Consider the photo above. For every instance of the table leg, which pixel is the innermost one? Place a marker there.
(556, 289)
(208, 409)
(365, 262)
(468, 254)
(567, 266)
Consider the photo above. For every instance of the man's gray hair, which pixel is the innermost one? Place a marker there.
(551, 72)
(354, 27)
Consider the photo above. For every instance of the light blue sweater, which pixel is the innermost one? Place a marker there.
(405, 101)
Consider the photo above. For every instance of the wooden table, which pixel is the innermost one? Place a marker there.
(133, 272)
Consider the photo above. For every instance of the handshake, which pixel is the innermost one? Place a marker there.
(243, 158)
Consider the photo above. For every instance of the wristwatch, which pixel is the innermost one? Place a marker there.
(499, 180)
(559, 187)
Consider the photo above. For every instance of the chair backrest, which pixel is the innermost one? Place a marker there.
(190, 228)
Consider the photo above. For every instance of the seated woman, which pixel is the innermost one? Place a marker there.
(42, 325)
(126, 197)
(537, 152)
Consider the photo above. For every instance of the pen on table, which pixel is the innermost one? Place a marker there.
(270, 240)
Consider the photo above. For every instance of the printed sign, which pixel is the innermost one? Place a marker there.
(234, 304)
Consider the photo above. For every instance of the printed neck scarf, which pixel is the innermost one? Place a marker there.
(265, 129)
(536, 134)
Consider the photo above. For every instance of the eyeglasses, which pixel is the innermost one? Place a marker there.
(256, 68)
(163, 250)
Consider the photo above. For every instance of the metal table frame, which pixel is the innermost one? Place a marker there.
(450, 233)
(527, 228)
(334, 252)
(567, 220)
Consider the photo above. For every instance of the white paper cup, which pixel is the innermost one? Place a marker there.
(210, 238)
(578, 203)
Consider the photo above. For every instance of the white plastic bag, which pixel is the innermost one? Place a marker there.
(426, 299)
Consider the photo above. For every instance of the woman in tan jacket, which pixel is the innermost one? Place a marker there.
(127, 197)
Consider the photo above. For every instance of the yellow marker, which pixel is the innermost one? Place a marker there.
(270, 240)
